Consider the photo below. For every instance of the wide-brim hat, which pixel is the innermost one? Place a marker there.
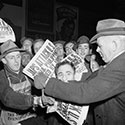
(109, 27)
(8, 47)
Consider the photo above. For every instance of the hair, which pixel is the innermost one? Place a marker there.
(38, 40)
(59, 42)
(25, 38)
(64, 63)
(27, 53)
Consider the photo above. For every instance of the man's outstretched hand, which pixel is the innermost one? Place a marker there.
(40, 80)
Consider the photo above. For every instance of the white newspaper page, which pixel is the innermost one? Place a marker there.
(73, 114)
(43, 61)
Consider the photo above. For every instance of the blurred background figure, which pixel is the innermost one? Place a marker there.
(37, 44)
(69, 47)
(60, 49)
(27, 44)
(26, 57)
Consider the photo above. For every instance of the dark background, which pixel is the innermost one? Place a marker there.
(90, 11)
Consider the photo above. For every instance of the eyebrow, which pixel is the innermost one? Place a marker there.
(68, 72)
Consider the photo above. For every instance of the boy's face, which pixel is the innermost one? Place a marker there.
(13, 61)
(65, 73)
(37, 46)
(25, 59)
(27, 45)
(83, 50)
(59, 50)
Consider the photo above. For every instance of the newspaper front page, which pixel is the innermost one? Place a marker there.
(43, 61)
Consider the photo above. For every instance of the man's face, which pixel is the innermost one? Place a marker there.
(37, 46)
(104, 48)
(13, 61)
(59, 50)
(83, 50)
(65, 73)
(69, 48)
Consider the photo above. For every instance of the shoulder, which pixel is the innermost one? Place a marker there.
(118, 63)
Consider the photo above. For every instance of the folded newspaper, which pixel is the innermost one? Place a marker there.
(45, 61)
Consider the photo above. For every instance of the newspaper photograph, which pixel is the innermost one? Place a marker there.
(43, 61)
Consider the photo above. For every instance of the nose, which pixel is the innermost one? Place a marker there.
(16, 59)
(64, 78)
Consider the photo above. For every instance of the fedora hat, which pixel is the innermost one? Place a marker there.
(8, 47)
(109, 27)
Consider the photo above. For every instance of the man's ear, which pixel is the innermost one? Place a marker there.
(114, 45)
(4, 61)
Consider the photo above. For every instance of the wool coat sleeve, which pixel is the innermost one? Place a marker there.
(101, 85)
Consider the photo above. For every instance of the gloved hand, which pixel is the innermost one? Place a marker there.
(40, 80)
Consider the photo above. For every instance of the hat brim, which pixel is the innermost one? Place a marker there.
(9, 51)
(107, 33)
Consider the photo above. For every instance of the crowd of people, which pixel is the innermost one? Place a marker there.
(24, 101)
